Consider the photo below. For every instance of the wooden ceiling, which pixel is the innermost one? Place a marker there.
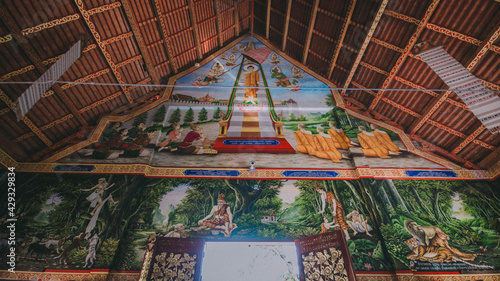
(356, 44)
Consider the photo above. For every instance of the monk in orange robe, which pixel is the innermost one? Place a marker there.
(385, 139)
(326, 144)
(339, 137)
(303, 138)
(371, 145)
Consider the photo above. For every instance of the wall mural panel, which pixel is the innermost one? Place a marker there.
(250, 103)
(92, 222)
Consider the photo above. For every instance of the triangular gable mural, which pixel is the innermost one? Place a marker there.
(252, 103)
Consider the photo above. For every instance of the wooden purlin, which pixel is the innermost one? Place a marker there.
(54, 59)
(268, 18)
(151, 70)
(428, 13)
(26, 120)
(414, 86)
(469, 139)
(442, 30)
(287, 24)
(82, 110)
(218, 23)
(37, 61)
(367, 40)
(60, 21)
(340, 41)
(163, 32)
(310, 29)
(436, 102)
(194, 24)
(102, 47)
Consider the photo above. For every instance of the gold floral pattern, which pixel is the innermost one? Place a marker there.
(174, 267)
(327, 265)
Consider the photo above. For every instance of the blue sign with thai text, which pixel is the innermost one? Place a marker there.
(212, 173)
(310, 174)
(431, 174)
(251, 142)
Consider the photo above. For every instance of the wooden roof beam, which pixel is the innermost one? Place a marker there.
(236, 15)
(427, 146)
(151, 70)
(102, 46)
(60, 21)
(472, 62)
(26, 120)
(194, 24)
(468, 140)
(368, 38)
(345, 26)
(287, 23)
(253, 17)
(218, 23)
(490, 160)
(268, 18)
(312, 21)
(37, 61)
(162, 29)
(430, 11)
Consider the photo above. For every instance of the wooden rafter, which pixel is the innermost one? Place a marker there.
(102, 47)
(491, 159)
(368, 38)
(60, 21)
(252, 17)
(287, 23)
(140, 41)
(337, 17)
(26, 120)
(268, 18)
(236, 15)
(37, 61)
(218, 22)
(430, 10)
(436, 102)
(469, 139)
(310, 29)
(194, 24)
(15, 150)
(345, 26)
(163, 31)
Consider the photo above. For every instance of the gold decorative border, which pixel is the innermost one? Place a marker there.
(178, 172)
(359, 172)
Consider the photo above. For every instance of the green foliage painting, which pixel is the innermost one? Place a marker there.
(391, 224)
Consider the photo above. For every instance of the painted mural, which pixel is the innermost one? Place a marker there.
(67, 221)
(250, 104)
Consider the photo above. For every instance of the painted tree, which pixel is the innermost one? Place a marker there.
(293, 117)
(189, 117)
(216, 113)
(202, 115)
(159, 115)
(140, 119)
(175, 117)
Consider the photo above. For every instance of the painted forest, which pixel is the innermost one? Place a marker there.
(67, 221)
